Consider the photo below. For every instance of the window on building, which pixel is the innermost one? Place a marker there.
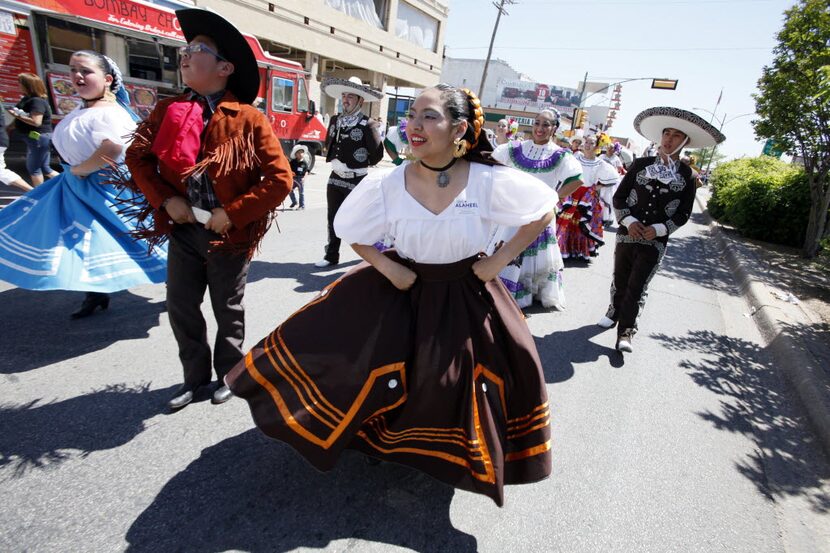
(282, 94)
(365, 10)
(145, 60)
(417, 27)
(64, 38)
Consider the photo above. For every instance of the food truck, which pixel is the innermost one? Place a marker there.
(39, 36)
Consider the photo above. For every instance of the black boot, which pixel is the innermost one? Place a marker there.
(91, 301)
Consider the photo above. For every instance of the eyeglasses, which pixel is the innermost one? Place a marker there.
(191, 49)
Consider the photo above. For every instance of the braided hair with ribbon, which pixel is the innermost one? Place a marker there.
(109, 67)
(463, 105)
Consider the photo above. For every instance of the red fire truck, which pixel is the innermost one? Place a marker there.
(38, 36)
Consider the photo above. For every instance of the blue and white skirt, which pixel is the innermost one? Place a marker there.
(66, 234)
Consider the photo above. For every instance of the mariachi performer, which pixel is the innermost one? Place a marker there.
(352, 145)
(67, 233)
(213, 173)
(419, 357)
(579, 224)
(654, 199)
(537, 272)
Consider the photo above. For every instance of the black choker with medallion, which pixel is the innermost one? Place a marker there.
(443, 176)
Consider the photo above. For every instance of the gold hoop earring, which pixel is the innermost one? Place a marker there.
(459, 147)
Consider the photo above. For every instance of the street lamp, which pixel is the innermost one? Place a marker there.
(658, 83)
(722, 120)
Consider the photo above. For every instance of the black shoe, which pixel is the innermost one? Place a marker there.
(221, 395)
(292, 205)
(183, 396)
(92, 301)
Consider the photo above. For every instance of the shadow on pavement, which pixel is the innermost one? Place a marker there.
(250, 493)
(695, 258)
(815, 338)
(42, 435)
(43, 333)
(755, 404)
(783, 267)
(309, 278)
(561, 350)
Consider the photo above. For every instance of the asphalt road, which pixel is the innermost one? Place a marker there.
(690, 444)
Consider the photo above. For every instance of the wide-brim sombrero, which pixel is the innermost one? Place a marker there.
(335, 87)
(244, 82)
(299, 147)
(651, 122)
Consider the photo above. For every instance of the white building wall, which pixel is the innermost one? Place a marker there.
(467, 73)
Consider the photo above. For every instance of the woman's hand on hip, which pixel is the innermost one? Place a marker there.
(401, 277)
(487, 268)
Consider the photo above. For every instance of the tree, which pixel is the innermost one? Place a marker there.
(788, 109)
(702, 156)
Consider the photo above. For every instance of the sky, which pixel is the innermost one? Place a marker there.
(707, 45)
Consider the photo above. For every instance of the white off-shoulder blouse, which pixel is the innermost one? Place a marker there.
(381, 208)
(83, 130)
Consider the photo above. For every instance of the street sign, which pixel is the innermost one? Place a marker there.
(664, 84)
(771, 149)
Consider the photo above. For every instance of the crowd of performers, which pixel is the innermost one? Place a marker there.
(419, 356)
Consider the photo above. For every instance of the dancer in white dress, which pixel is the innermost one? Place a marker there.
(606, 193)
(579, 225)
(537, 272)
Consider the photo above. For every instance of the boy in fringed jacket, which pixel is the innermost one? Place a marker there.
(213, 173)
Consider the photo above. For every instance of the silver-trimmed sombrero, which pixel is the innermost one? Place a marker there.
(651, 122)
(334, 87)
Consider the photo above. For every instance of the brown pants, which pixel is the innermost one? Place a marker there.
(192, 269)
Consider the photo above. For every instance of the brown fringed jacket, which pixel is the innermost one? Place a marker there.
(244, 160)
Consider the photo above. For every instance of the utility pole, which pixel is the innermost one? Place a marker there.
(500, 8)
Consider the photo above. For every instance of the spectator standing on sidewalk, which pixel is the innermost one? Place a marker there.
(352, 145)
(654, 199)
(214, 173)
(34, 123)
(7, 176)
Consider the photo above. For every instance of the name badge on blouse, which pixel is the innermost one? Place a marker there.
(466, 207)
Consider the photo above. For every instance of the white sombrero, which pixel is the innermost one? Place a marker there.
(299, 147)
(651, 122)
(335, 87)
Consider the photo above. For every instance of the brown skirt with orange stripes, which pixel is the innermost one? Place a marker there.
(444, 378)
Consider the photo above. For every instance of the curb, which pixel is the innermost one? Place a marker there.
(799, 366)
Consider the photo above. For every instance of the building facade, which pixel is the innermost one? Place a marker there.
(387, 43)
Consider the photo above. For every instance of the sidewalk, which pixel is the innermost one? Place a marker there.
(789, 300)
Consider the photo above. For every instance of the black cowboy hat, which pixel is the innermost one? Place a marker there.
(244, 82)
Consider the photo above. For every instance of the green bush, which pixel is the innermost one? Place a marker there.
(763, 198)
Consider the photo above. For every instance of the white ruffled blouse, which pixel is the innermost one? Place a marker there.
(83, 130)
(381, 208)
(566, 169)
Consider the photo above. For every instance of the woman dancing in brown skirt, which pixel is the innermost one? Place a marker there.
(419, 356)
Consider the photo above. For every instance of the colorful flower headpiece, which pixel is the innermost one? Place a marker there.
(512, 128)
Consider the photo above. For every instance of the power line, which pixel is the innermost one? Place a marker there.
(648, 2)
(616, 49)
(502, 11)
